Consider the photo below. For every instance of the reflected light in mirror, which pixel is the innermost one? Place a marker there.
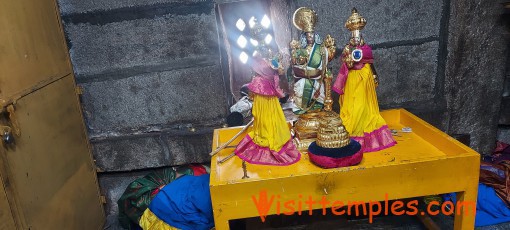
(251, 22)
(254, 42)
(265, 21)
(241, 41)
(268, 39)
(240, 24)
(243, 57)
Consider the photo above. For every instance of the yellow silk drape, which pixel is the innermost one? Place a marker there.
(149, 221)
(270, 128)
(359, 109)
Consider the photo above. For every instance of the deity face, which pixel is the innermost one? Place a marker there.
(310, 37)
(356, 37)
(356, 41)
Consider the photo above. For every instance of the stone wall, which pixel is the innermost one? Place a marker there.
(504, 114)
(443, 60)
(154, 88)
(408, 39)
(476, 65)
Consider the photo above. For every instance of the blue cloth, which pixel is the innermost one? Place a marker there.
(352, 148)
(490, 209)
(185, 203)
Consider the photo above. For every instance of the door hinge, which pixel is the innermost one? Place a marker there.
(13, 120)
(6, 134)
(79, 90)
(98, 170)
(102, 199)
(9, 126)
(10, 116)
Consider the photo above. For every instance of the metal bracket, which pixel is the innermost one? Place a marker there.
(13, 120)
(10, 126)
(102, 199)
(79, 90)
(6, 134)
(245, 171)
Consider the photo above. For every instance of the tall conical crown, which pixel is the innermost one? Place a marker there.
(355, 21)
(305, 19)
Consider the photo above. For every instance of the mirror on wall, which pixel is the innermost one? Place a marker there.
(235, 20)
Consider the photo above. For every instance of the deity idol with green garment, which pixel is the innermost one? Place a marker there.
(310, 57)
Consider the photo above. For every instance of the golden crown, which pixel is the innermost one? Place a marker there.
(355, 21)
(305, 19)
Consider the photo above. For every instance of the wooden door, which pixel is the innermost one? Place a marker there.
(47, 174)
(6, 219)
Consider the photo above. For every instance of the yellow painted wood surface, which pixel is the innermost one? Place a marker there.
(424, 162)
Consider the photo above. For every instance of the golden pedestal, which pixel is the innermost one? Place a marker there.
(306, 130)
(307, 125)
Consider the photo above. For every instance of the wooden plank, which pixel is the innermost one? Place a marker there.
(16, 213)
(50, 179)
(6, 219)
(32, 45)
(50, 167)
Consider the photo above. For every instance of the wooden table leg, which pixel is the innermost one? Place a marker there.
(466, 202)
(427, 221)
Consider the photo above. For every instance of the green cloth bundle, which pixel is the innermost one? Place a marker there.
(139, 193)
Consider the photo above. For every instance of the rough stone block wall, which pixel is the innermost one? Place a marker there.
(406, 37)
(476, 68)
(443, 60)
(154, 88)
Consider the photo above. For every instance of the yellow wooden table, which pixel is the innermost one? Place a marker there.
(424, 162)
